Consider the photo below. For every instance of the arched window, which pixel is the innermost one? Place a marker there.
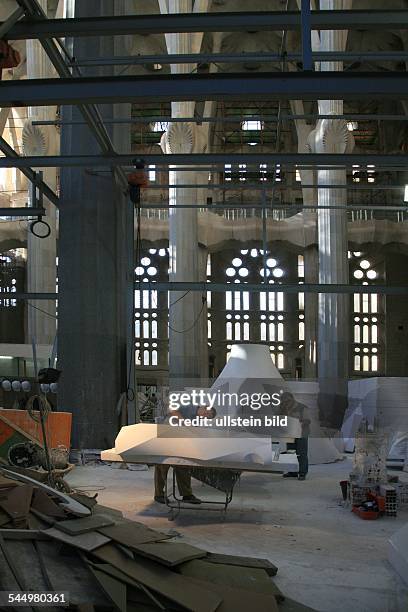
(365, 315)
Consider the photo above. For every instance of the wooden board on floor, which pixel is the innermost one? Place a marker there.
(44, 504)
(247, 578)
(7, 483)
(131, 534)
(18, 502)
(180, 589)
(238, 600)
(290, 605)
(169, 553)
(269, 567)
(113, 588)
(87, 541)
(84, 525)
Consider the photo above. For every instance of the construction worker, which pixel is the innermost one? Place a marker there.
(290, 407)
(183, 474)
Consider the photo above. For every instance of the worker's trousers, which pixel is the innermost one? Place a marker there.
(183, 478)
(300, 445)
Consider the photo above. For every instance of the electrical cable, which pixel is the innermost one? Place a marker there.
(183, 331)
(43, 311)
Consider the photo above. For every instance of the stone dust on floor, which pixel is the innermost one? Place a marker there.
(328, 558)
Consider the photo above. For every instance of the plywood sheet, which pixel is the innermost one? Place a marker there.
(246, 578)
(238, 600)
(114, 589)
(132, 534)
(170, 553)
(264, 564)
(84, 525)
(87, 541)
(44, 504)
(18, 501)
(180, 589)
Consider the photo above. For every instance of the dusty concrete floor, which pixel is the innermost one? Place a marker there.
(328, 558)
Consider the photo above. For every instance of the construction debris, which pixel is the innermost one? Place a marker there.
(105, 562)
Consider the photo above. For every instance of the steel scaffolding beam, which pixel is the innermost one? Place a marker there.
(22, 212)
(260, 86)
(207, 22)
(250, 287)
(13, 157)
(400, 162)
(90, 112)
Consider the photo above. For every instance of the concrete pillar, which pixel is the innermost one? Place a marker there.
(95, 267)
(333, 327)
(187, 311)
(41, 256)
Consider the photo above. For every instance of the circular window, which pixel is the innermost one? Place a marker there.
(356, 319)
(374, 350)
(374, 319)
(152, 271)
(301, 317)
(162, 252)
(244, 252)
(371, 274)
(152, 251)
(278, 272)
(139, 270)
(145, 261)
(237, 262)
(262, 272)
(230, 272)
(358, 274)
(280, 318)
(271, 263)
(357, 350)
(243, 272)
(365, 264)
(254, 253)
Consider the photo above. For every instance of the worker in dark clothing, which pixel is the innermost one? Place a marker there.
(183, 474)
(290, 407)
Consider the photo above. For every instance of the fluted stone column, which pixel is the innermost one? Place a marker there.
(311, 263)
(187, 313)
(331, 136)
(41, 257)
